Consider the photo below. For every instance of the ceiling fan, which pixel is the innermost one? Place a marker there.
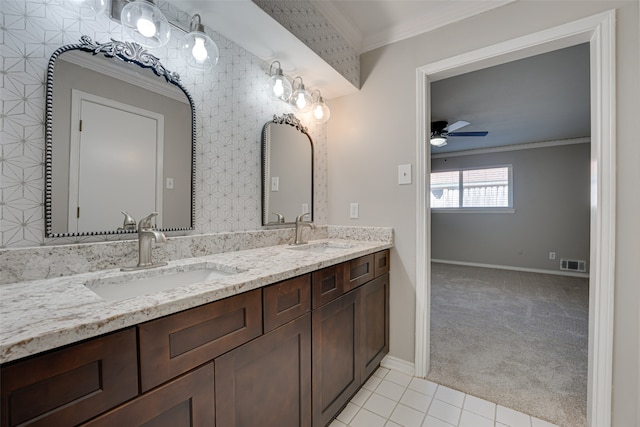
(440, 130)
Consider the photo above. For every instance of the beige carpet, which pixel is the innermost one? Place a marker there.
(514, 338)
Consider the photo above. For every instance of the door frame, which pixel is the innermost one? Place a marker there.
(599, 32)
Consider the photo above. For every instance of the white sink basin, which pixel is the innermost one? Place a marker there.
(322, 247)
(148, 282)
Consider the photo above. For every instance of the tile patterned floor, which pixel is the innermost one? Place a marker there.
(393, 399)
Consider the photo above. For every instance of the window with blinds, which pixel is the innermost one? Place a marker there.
(472, 188)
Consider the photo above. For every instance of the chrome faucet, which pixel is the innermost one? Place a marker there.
(300, 224)
(146, 234)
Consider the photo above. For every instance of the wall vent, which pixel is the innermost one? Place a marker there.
(572, 265)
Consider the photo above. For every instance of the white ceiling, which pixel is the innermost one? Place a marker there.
(543, 98)
(369, 24)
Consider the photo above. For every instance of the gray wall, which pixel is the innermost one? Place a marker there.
(551, 201)
(373, 131)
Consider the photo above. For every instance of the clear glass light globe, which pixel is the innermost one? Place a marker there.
(151, 28)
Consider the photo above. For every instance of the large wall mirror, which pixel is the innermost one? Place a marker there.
(287, 171)
(120, 137)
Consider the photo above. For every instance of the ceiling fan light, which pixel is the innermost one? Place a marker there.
(438, 141)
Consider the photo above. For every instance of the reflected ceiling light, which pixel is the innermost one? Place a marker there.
(300, 99)
(87, 8)
(151, 28)
(321, 112)
(197, 48)
(278, 86)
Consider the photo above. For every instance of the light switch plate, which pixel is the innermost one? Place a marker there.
(275, 183)
(353, 211)
(404, 174)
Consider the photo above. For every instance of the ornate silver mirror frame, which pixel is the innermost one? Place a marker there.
(287, 157)
(129, 52)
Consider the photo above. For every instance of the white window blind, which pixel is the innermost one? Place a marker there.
(472, 188)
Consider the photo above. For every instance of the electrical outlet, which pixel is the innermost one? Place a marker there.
(353, 211)
(552, 255)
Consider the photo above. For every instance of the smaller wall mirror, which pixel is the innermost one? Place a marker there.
(120, 137)
(287, 171)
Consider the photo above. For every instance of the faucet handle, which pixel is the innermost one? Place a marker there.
(301, 217)
(279, 216)
(146, 221)
(129, 222)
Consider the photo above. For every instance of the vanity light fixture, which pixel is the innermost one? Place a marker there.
(197, 48)
(321, 112)
(151, 27)
(278, 86)
(300, 99)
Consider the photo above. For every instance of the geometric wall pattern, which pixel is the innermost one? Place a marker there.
(231, 108)
(302, 20)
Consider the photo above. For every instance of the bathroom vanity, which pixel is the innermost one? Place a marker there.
(285, 341)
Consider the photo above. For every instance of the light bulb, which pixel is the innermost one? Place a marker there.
(300, 101)
(199, 52)
(318, 113)
(146, 27)
(278, 88)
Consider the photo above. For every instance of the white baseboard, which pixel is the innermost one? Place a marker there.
(397, 364)
(509, 267)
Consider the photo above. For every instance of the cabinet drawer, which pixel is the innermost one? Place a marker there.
(327, 284)
(286, 301)
(184, 402)
(71, 385)
(381, 263)
(358, 271)
(178, 343)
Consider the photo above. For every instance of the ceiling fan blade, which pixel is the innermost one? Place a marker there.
(482, 133)
(455, 126)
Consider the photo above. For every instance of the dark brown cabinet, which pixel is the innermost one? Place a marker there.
(172, 345)
(286, 301)
(267, 382)
(289, 354)
(374, 323)
(70, 385)
(184, 402)
(336, 356)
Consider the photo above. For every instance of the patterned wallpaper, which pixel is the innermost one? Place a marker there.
(231, 108)
(313, 29)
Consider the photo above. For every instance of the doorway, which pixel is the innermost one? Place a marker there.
(113, 137)
(598, 31)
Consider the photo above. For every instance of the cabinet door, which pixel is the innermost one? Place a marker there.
(374, 298)
(185, 402)
(358, 272)
(336, 357)
(267, 382)
(178, 343)
(71, 385)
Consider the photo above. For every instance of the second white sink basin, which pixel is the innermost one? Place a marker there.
(148, 282)
(322, 247)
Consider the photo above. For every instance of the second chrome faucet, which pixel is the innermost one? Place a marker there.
(300, 224)
(146, 234)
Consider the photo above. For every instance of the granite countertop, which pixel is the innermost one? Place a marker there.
(44, 314)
